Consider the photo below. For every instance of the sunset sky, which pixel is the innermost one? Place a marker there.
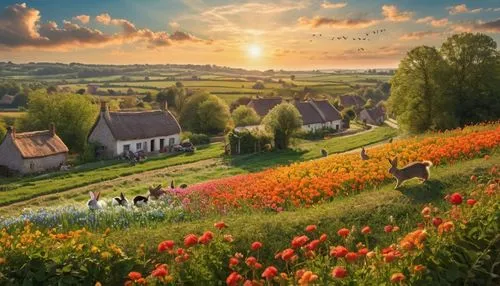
(249, 34)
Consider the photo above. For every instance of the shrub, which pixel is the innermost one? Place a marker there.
(198, 139)
(249, 141)
(245, 116)
(283, 121)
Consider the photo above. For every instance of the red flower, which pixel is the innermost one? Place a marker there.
(160, 271)
(233, 279)
(456, 198)
(397, 277)
(363, 251)
(287, 254)
(351, 257)
(250, 261)
(390, 257)
(366, 230)
(206, 237)
(471, 202)
(426, 211)
(311, 228)
(134, 276)
(190, 240)
(437, 221)
(344, 232)
(388, 228)
(323, 237)
(299, 241)
(339, 251)
(220, 225)
(270, 272)
(164, 245)
(419, 268)
(257, 265)
(233, 261)
(473, 178)
(339, 272)
(256, 245)
(313, 245)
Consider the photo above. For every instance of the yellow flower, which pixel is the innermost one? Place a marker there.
(106, 255)
(98, 283)
(94, 249)
(2, 260)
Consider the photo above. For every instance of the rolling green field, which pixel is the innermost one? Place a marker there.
(19, 190)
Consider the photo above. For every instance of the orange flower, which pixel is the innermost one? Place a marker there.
(287, 254)
(397, 277)
(307, 277)
(344, 232)
(220, 225)
(299, 241)
(256, 245)
(311, 228)
(366, 230)
(233, 279)
(426, 211)
(134, 276)
(164, 245)
(419, 268)
(446, 227)
(270, 272)
(339, 251)
(160, 271)
(313, 245)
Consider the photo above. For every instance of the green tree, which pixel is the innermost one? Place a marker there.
(81, 91)
(472, 77)
(258, 85)
(190, 117)
(72, 114)
(348, 113)
(3, 130)
(245, 116)
(417, 97)
(283, 121)
(213, 114)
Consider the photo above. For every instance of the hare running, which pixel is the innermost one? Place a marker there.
(418, 170)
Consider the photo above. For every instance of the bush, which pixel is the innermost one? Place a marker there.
(245, 116)
(196, 139)
(205, 113)
(316, 135)
(283, 121)
(250, 142)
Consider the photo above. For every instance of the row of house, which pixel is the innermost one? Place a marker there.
(316, 114)
(116, 132)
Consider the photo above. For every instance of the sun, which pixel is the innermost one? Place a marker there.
(254, 51)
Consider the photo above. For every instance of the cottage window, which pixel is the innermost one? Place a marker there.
(126, 148)
(32, 166)
(171, 141)
(138, 146)
(337, 127)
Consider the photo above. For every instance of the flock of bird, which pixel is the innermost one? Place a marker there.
(364, 37)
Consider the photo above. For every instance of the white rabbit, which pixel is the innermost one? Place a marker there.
(94, 203)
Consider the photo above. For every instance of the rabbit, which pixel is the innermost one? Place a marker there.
(324, 152)
(140, 201)
(120, 201)
(183, 186)
(418, 170)
(390, 140)
(363, 154)
(157, 192)
(94, 203)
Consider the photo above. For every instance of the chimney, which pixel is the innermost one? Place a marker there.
(164, 106)
(52, 129)
(12, 130)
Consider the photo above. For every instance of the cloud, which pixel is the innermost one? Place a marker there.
(392, 13)
(479, 26)
(418, 35)
(336, 23)
(433, 21)
(331, 5)
(20, 27)
(84, 19)
(462, 9)
(174, 25)
(261, 8)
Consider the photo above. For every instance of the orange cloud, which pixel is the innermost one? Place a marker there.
(330, 5)
(84, 19)
(336, 23)
(433, 21)
(20, 27)
(418, 35)
(392, 13)
(462, 9)
(479, 26)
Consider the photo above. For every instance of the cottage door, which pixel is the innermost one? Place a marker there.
(152, 145)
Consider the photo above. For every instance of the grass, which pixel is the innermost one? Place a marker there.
(371, 207)
(59, 184)
(14, 114)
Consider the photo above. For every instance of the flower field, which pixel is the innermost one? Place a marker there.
(308, 183)
(453, 245)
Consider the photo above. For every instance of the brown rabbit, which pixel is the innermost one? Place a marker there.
(363, 154)
(418, 170)
(157, 192)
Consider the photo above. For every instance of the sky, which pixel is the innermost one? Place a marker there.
(253, 34)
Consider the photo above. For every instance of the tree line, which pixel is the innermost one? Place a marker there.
(455, 85)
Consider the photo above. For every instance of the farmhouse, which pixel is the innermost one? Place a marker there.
(148, 131)
(354, 101)
(32, 152)
(374, 116)
(316, 114)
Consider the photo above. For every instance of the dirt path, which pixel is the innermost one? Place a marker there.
(63, 197)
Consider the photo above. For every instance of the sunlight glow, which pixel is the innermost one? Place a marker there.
(254, 51)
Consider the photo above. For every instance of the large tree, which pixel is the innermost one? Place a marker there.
(283, 121)
(72, 114)
(472, 77)
(200, 113)
(417, 97)
(245, 116)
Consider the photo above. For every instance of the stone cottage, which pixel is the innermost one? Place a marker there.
(32, 152)
(148, 131)
(374, 116)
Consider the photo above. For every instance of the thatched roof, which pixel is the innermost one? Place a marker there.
(351, 100)
(263, 105)
(375, 112)
(141, 125)
(309, 114)
(327, 110)
(38, 144)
